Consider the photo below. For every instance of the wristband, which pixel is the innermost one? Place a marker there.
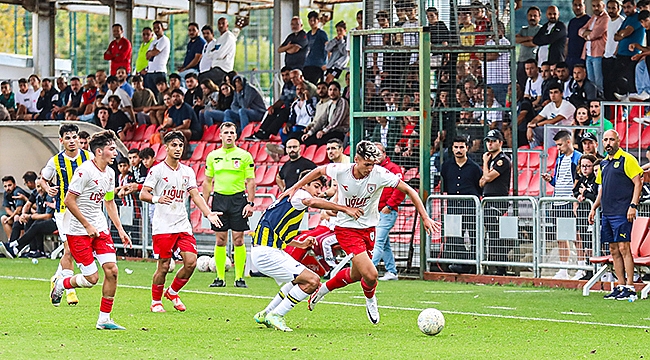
(251, 203)
(154, 199)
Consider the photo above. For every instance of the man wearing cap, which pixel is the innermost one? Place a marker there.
(496, 182)
(589, 143)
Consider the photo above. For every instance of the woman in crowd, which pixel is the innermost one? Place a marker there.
(586, 191)
(580, 118)
(215, 109)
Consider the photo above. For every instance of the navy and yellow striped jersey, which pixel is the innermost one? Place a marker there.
(62, 167)
(280, 222)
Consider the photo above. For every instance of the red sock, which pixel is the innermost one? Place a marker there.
(106, 305)
(67, 284)
(178, 284)
(156, 292)
(368, 291)
(341, 279)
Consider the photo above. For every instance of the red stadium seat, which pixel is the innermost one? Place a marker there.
(217, 136)
(151, 129)
(195, 219)
(320, 157)
(528, 160)
(128, 135)
(411, 173)
(259, 175)
(269, 176)
(208, 134)
(138, 135)
(249, 130)
(524, 180)
(309, 152)
(645, 138)
(200, 175)
(160, 151)
(254, 149)
(633, 136)
(621, 129)
(197, 155)
(275, 138)
(533, 185)
(347, 150)
(552, 156)
(209, 147)
(275, 191)
(261, 156)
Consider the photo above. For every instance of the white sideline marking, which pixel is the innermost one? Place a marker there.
(435, 302)
(575, 313)
(564, 321)
(526, 291)
(357, 297)
(449, 292)
(501, 307)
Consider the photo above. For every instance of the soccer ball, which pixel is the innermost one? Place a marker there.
(228, 263)
(431, 321)
(212, 266)
(203, 263)
(172, 266)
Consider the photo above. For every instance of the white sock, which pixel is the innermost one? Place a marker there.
(58, 270)
(13, 243)
(67, 273)
(284, 290)
(154, 302)
(294, 296)
(103, 317)
(323, 289)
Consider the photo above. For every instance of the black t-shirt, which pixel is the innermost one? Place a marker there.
(139, 173)
(183, 113)
(117, 121)
(501, 185)
(439, 33)
(461, 180)
(291, 170)
(46, 102)
(296, 60)
(191, 94)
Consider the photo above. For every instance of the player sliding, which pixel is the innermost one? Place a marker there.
(360, 185)
(89, 235)
(167, 186)
(277, 228)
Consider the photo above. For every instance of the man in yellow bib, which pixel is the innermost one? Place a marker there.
(233, 171)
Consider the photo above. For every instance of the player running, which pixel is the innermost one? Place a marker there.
(360, 185)
(167, 186)
(62, 166)
(277, 228)
(88, 234)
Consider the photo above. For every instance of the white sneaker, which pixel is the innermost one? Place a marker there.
(621, 97)
(371, 310)
(388, 276)
(561, 275)
(579, 274)
(639, 97)
(315, 298)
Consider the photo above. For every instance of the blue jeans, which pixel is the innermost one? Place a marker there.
(642, 77)
(188, 71)
(382, 250)
(242, 117)
(595, 70)
(211, 117)
(294, 129)
(150, 80)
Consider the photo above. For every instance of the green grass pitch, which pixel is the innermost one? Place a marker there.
(482, 322)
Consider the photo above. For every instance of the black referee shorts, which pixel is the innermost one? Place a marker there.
(231, 206)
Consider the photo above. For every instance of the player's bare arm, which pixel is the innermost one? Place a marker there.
(313, 175)
(430, 225)
(308, 242)
(50, 190)
(111, 209)
(322, 204)
(145, 195)
(70, 202)
(250, 192)
(203, 206)
(207, 188)
(596, 205)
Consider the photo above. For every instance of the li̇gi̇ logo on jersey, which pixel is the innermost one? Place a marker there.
(236, 164)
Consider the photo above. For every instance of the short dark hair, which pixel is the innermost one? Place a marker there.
(134, 151)
(432, 9)
(562, 135)
(174, 76)
(208, 28)
(460, 139)
(336, 141)
(368, 151)
(381, 14)
(322, 82)
(147, 153)
(341, 24)
(74, 112)
(84, 135)
(533, 8)
(178, 91)
(191, 76)
(66, 128)
(335, 84)
(175, 134)
(147, 28)
(22, 81)
(118, 26)
(545, 63)
(47, 80)
(6, 83)
(136, 78)
(561, 65)
(30, 176)
(227, 124)
(285, 69)
(123, 160)
(312, 14)
(321, 179)
(159, 23)
(644, 15)
(161, 81)
(8, 178)
(193, 24)
(583, 66)
(115, 98)
(91, 76)
(77, 79)
(101, 139)
(555, 86)
(111, 79)
(531, 61)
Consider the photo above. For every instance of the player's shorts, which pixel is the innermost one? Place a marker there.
(336, 72)
(164, 245)
(615, 229)
(85, 250)
(276, 263)
(232, 207)
(356, 241)
(58, 218)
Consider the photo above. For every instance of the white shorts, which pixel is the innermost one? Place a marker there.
(60, 224)
(276, 263)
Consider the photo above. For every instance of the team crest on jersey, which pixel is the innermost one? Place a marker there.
(371, 188)
(186, 179)
(372, 236)
(236, 164)
(616, 164)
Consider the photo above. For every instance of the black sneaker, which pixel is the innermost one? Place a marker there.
(252, 138)
(7, 250)
(218, 283)
(240, 283)
(627, 294)
(617, 291)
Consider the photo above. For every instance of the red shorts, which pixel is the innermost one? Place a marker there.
(84, 249)
(164, 245)
(356, 241)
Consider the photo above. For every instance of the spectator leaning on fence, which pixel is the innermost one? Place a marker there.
(618, 197)
(563, 180)
(461, 176)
